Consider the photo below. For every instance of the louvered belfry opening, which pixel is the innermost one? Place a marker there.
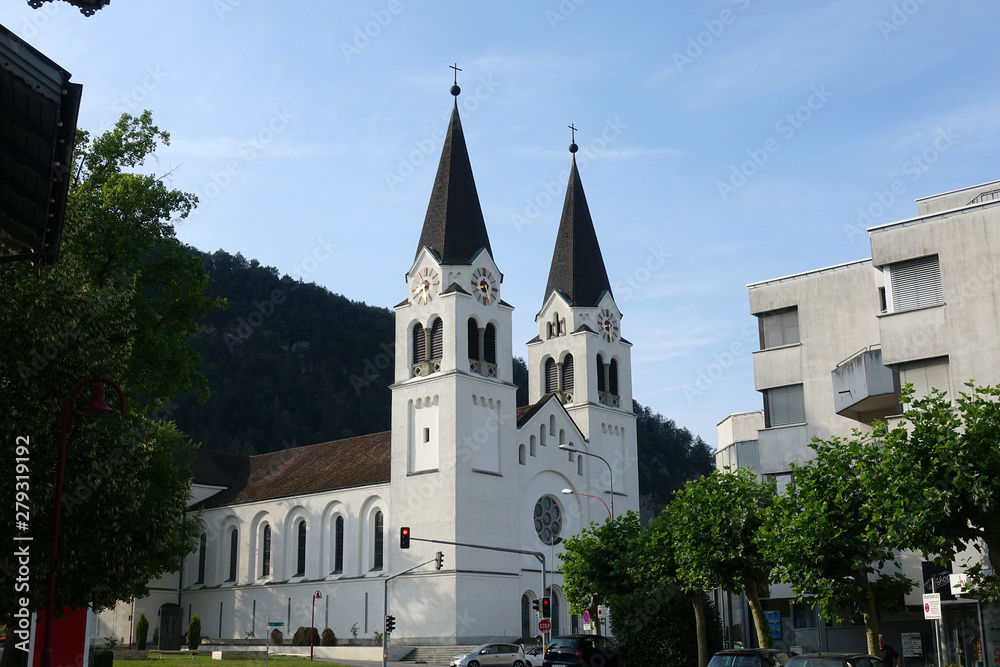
(419, 343)
(568, 373)
(437, 339)
(600, 374)
(490, 344)
(473, 340)
(613, 378)
(551, 380)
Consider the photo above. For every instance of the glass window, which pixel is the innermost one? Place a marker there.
(377, 564)
(234, 543)
(547, 518)
(915, 283)
(779, 327)
(265, 560)
(784, 405)
(202, 548)
(338, 546)
(300, 569)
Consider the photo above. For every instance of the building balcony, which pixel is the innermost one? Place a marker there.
(863, 388)
(778, 446)
(909, 335)
(777, 366)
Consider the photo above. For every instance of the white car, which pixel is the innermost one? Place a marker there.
(490, 655)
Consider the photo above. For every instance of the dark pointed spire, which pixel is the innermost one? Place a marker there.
(454, 227)
(577, 265)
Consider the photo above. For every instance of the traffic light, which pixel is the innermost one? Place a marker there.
(438, 560)
(546, 608)
(404, 537)
(390, 624)
(534, 605)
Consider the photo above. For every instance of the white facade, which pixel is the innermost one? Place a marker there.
(463, 465)
(838, 343)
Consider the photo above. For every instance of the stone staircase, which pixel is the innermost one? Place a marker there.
(436, 655)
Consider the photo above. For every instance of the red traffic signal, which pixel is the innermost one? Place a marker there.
(546, 608)
(404, 538)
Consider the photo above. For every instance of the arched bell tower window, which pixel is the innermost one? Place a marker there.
(490, 344)
(473, 340)
(568, 373)
(551, 377)
(419, 344)
(437, 339)
(601, 384)
(613, 377)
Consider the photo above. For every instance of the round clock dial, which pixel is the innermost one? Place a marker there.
(424, 285)
(484, 286)
(609, 325)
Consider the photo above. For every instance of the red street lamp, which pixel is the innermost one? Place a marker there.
(96, 408)
(312, 622)
(577, 493)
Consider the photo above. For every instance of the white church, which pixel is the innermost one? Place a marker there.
(462, 465)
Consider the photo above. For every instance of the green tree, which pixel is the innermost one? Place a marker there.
(716, 526)
(120, 303)
(829, 534)
(943, 482)
(598, 563)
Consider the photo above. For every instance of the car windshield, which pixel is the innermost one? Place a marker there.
(734, 661)
(563, 642)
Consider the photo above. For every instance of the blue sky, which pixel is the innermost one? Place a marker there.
(722, 143)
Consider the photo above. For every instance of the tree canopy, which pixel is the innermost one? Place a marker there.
(120, 303)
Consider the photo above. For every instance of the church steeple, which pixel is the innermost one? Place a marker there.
(577, 269)
(454, 227)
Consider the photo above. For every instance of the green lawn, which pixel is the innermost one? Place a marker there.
(204, 660)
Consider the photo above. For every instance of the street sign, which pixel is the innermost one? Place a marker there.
(544, 625)
(276, 624)
(586, 617)
(932, 606)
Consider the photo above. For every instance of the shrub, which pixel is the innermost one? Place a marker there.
(303, 635)
(328, 638)
(194, 632)
(141, 631)
(277, 639)
(104, 658)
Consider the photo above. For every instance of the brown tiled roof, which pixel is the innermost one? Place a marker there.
(340, 464)
(526, 412)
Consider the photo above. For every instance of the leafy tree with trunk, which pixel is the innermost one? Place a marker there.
(943, 481)
(120, 303)
(716, 528)
(829, 533)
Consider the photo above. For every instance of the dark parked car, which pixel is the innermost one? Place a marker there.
(836, 660)
(581, 651)
(751, 657)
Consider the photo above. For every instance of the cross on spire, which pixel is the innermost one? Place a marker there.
(573, 148)
(457, 70)
(572, 127)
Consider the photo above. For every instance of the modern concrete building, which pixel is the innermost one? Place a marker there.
(836, 346)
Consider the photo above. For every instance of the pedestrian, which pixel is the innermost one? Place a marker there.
(888, 653)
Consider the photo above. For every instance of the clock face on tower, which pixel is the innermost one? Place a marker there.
(484, 286)
(424, 285)
(609, 325)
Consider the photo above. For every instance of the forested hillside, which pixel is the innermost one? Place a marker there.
(290, 363)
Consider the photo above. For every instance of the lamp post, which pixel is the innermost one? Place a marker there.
(97, 409)
(312, 622)
(611, 473)
(577, 493)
